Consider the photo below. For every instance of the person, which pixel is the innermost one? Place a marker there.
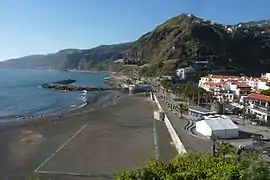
(239, 150)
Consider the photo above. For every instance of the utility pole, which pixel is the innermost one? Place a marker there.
(244, 111)
(223, 107)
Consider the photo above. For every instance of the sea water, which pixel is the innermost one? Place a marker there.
(22, 97)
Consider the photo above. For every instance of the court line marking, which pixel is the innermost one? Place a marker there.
(156, 141)
(56, 172)
(61, 147)
(77, 174)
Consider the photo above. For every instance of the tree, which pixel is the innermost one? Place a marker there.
(265, 92)
(201, 167)
(181, 108)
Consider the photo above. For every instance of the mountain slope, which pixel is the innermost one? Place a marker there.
(243, 49)
(69, 58)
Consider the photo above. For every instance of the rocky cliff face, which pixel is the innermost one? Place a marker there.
(244, 47)
(70, 58)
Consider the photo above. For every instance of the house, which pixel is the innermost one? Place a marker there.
(182, 73)
(240, 89)
(197, 112)
(260, 106)
(221, 90)
(263, 84)
(232, 87)
(217, 78)
(266, 76)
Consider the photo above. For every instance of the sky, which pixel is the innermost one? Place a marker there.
(47, 26)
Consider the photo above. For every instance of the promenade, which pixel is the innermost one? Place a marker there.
(191, 143)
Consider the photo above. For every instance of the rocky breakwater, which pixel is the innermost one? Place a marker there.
(72, 87)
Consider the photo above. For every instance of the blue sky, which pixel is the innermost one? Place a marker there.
(46, 26)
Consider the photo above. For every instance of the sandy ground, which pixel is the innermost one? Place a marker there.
(84, 144)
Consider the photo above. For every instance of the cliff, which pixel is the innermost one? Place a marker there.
(185, 39)
(70, 58)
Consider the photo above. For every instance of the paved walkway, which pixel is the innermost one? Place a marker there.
(191, 143)
(250, 128)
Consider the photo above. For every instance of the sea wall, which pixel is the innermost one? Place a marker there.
(72, 87)
(175, 138)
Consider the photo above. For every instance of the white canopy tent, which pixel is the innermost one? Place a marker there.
(222, 128)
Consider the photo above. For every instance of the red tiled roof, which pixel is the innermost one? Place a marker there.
(216, 84)
(242, 85)
(224, 77)
(259, 97)
(258, 91)
(263, 79)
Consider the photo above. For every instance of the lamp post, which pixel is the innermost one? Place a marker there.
(214, 139)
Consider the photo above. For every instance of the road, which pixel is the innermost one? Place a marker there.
(191, 143)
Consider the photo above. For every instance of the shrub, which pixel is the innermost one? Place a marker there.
(195, 166)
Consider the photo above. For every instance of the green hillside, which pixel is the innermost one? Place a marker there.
(70, 58)
(185, 39)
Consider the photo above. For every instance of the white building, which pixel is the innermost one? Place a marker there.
(240, 89)
(259, 105)
(217, 79)
(256, 83)
(263, 84)
(266, 75)
(197, 112)
(220, 126)
(182, 73)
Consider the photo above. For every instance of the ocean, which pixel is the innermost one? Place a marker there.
(22, 97)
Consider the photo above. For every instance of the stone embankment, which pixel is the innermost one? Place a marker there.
(175, 138)
(65, 81)
(72, 87)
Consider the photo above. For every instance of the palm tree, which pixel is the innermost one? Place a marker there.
(226, 149)
(181, 108)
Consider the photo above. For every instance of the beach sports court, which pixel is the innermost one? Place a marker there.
(109, 147)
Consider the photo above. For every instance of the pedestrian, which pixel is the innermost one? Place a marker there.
(239, 150)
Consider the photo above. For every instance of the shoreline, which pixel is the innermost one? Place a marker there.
(113, 131)
(98, 101)
(68, 112)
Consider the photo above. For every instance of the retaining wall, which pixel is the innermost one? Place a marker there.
(175, 138)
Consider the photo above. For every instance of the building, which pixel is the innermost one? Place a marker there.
(255, 83)
(218, 78)
(240, 89)
(182, 73)
(220, 126)
(260, 106)
(266, 76)
(263, 84)
(197, 112)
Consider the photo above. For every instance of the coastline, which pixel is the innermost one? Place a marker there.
(101, 99)
(113, 131)
(85, 106)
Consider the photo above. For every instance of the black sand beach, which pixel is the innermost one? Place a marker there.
(99, 140)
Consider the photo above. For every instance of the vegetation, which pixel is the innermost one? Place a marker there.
(195, 166)
(109, 65)
(187, 39)
(189, 92)
(265, 92)
(152, 70)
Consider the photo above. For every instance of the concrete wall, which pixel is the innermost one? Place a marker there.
(175, 138)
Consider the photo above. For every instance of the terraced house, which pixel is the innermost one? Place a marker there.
(234, 88)
(260, 106)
